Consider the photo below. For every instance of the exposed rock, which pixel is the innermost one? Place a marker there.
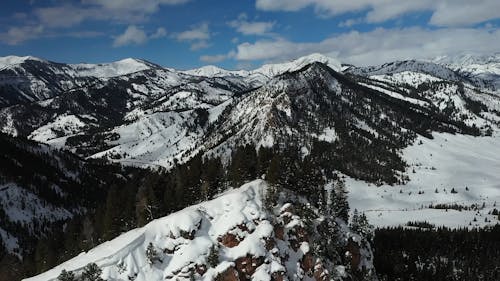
(353, 249)
(246, 266)
(307, 263)
(229, 274)
(279, 232)
(229, 240)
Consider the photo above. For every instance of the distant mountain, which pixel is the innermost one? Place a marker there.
(301, 125)
(30, 79)
(480, 67)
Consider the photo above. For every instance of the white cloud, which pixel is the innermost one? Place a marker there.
(243, 26)
(214, 58)
(198, 36)
(378, 46)
(160, 33)
(444, 12)
(200, 32)
(124, 11)
(132, 35)
(18, 34)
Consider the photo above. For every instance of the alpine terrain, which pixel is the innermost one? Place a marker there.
(304, 170)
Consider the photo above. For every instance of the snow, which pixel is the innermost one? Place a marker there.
(328, 135)
(107, 70)
(268, 70)
(271, 70)
(61, 125)
(395, 95)
(445, 162)
(7, 61)
(11, 243)
(210, 220)
(20, 205)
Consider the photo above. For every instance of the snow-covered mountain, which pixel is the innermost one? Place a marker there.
(233, 237)
(162, 116)
(29, 79)
(397, 133)
(480, 67)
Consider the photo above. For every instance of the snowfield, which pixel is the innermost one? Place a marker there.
(469, 165)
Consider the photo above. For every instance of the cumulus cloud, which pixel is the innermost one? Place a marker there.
(18, 34)
(444, 12)
(243, 26)
(160, 33)
(378, 46)
(198, 36)
(133, 35)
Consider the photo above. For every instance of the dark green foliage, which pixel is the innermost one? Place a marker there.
(66, 276)
(213, 256)
(338, 200)
(420, 224)
(91, 272)
(360, 225)
(440, 254)
(152, 254)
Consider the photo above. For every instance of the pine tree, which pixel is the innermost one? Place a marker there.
(91, 272)
(66, 276)
(152, 254)
(338, 201)
(213, 256)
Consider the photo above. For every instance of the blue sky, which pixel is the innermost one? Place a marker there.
(246, 33)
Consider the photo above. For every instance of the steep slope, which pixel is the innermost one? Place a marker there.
(234, 237)
(160, 117)
(41, 188)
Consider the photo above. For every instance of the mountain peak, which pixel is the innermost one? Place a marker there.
(15, 60)
(112, 69)
(279, 68)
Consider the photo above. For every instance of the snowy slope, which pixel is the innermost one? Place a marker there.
(267, 71)
(444, 163)
(29, 79)
(117, 68)
(480, 67)
(250, 240)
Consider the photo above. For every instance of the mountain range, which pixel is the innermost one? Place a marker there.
(383, 130)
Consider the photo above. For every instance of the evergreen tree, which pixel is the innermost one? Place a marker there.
(338, 201)
(66, 276)
(213, 256)
(152, 254)
(91, 272)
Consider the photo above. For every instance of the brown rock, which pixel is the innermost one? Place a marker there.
(320, 273)
(353, 248)
(229, 240)
(277, 276)
(269, 243)
(307, 263)
(279, 232)
(246, 266)
(229, 274)
(201, 269)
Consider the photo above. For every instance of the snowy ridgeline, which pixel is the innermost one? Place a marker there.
(232, 235)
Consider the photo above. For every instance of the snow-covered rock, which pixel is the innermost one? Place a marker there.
(232, 235)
